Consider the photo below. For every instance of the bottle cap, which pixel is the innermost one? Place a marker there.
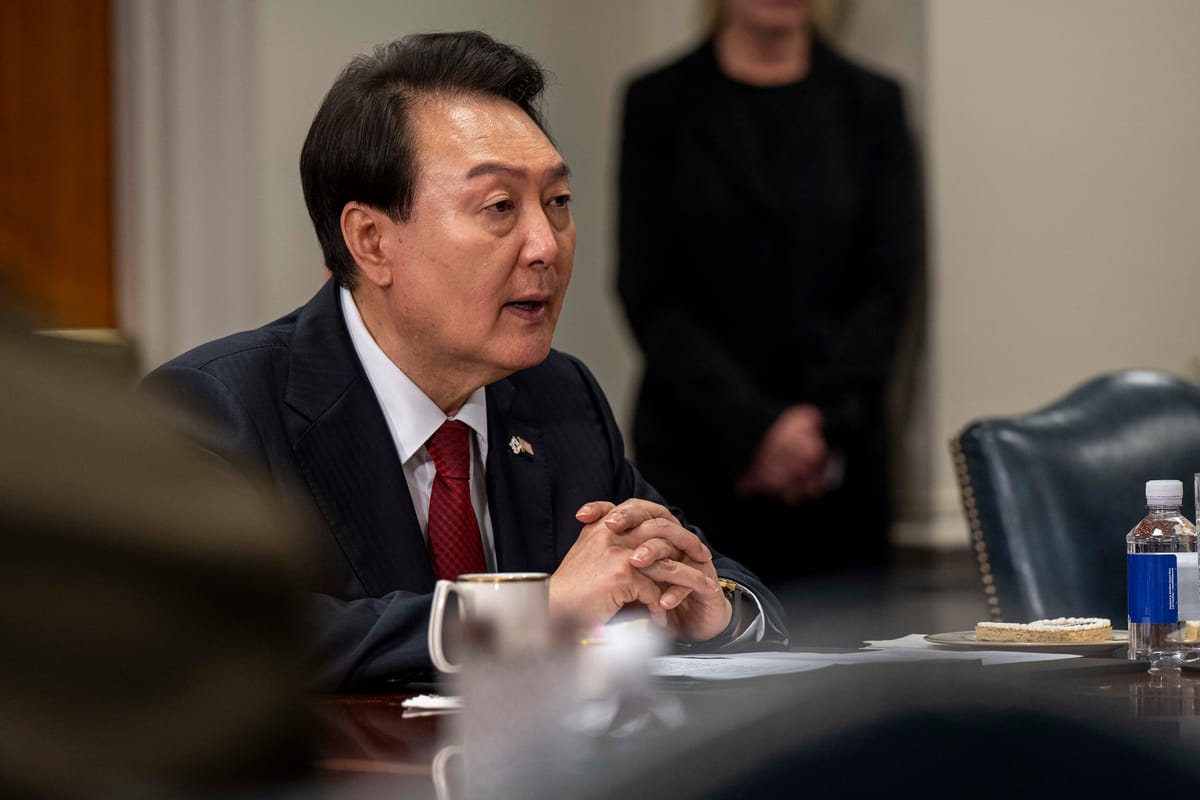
(1164, 492)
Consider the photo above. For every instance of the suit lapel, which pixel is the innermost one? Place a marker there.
(518, 487)
(345, 452)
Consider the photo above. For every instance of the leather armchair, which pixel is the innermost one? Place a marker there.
(1050, 495)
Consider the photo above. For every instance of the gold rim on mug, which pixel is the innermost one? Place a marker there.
(503, 577)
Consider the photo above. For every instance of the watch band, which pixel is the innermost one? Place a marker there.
(730, 588)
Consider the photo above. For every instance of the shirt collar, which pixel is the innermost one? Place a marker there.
(410, 414)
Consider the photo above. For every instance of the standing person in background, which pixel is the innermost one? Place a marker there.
(769, 241)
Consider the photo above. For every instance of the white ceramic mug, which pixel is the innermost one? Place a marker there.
(514, 605)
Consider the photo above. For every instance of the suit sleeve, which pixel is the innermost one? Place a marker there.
(629, 483)
(653, 286)
(362, 644)
(356, 644)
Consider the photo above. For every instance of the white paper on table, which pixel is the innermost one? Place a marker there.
(916, 640)
(750, 665)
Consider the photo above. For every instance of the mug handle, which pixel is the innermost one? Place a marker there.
(439, 768)
(440, 594)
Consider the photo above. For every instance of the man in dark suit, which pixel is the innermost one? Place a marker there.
(442, 208)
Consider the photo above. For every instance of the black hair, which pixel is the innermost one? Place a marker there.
(360, 146)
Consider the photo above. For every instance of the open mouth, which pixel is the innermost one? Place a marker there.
(527, 305)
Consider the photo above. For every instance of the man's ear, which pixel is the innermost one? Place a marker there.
(363, 229)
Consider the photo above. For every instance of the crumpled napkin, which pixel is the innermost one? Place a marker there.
(425, 705)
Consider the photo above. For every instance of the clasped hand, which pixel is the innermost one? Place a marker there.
(791, 460)
(637, 553)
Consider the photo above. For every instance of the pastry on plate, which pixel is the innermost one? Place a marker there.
(1063, 630)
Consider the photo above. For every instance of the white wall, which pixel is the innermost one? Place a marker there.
(186, 233)
(1064, 175)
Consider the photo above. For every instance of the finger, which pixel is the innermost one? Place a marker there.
(775, 476)
(688, 543)
(591, 512)
(649, 519)
(811, 416)
(672, 596)
(653, 550)
(634, 512)
(680, 580)
(645, 591)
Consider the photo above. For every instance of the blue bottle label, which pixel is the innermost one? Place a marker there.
(1163, 587)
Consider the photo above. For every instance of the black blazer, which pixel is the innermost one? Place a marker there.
(292, 398)
(762, 268)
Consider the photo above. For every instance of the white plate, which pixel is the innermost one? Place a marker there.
(965, 640)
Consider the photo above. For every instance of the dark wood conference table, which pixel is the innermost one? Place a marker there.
(372, 733)
(370, 738)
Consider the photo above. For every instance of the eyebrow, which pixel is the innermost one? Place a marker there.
(496, 168)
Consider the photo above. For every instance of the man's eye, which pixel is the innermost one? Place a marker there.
(501, 206)
(562, 201)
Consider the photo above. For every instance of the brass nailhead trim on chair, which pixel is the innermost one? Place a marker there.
(971, 512)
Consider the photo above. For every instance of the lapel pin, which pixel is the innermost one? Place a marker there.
(519, 446)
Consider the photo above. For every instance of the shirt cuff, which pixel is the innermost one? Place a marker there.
(746, 623)
(748, 617)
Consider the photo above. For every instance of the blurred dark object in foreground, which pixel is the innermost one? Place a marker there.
(101, 346)
(921, 729)
(147, 596)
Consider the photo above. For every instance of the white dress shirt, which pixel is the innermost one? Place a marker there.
(412, 418)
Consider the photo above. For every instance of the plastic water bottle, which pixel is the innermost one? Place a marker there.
(1163, 580)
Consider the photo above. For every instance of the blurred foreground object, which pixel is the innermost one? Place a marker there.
(105, 344)
(928, 730)
(1050, 495)
(147, 600)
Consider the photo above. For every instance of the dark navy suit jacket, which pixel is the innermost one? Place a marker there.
(292, 398)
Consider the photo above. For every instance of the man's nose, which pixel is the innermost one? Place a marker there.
(541, 243)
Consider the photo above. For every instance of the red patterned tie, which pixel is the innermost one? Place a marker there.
(454, 544)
